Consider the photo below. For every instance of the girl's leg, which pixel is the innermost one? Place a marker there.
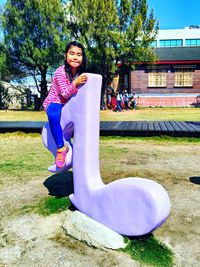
(54, 114)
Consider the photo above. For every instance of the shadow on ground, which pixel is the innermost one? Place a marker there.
(195, 179)
(60, 184)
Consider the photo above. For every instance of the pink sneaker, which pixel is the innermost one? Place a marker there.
(61, 156)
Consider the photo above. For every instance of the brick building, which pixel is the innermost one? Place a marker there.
(175, 78)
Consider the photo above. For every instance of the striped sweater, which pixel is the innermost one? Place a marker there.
(61, 88)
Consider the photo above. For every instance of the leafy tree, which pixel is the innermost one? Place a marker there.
(8, 70)
(113, 31)
(34, 32)
(93, 23)
(3, 58)
(137, 31)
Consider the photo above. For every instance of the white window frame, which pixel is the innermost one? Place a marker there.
(183, 77)
(157, 78)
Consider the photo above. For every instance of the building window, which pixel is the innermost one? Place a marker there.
(157, 78)
(154, 44)
(171, 43)
(183, 78)
(192, 42)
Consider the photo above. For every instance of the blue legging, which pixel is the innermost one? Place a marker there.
(54, 113)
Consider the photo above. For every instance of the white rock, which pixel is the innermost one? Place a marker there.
(83, 228)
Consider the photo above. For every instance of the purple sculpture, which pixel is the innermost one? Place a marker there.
(130, 206)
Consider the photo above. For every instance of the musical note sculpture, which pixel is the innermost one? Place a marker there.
(130, 206)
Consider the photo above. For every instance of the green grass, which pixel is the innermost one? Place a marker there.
(148, 250)
(158, 139)
(21, 115)
(152, 114)
(170, 161)
(148, 114)
(23, 158)
(48, 206)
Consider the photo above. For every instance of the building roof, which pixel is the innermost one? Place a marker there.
(178, 53)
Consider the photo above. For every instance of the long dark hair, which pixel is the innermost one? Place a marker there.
(82, 67)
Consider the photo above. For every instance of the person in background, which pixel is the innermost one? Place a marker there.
(119, 101)
(113, 101)
(65, 83)
(109, 91)
(134, 101)
(126, 100)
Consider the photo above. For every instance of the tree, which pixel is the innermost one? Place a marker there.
(113, 31)
(34, 32)
(137, 31)
(3, 59)
(8, 70)
(93, 23)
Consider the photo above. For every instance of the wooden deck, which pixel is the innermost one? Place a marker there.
(119, 128)
(151, 128)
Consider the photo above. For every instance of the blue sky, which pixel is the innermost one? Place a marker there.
(2, 2)
(173, 14)
(176, 14)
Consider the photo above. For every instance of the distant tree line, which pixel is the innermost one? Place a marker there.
(37, 31)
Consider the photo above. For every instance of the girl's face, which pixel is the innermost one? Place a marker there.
(74, 58)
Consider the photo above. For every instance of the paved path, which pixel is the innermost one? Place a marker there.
(119, 128)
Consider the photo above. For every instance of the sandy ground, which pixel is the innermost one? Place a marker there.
(182, 230)
(31, 240)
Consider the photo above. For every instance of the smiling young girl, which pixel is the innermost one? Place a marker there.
(65, 83)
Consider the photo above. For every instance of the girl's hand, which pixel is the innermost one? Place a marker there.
(80, 80)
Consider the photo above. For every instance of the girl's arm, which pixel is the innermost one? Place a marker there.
(67, 88)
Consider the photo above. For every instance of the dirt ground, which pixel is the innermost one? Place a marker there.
(31, 240)
(28, 240)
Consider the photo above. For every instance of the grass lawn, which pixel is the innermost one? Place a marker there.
(169, 161)
(146, 114)
(119, 157)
